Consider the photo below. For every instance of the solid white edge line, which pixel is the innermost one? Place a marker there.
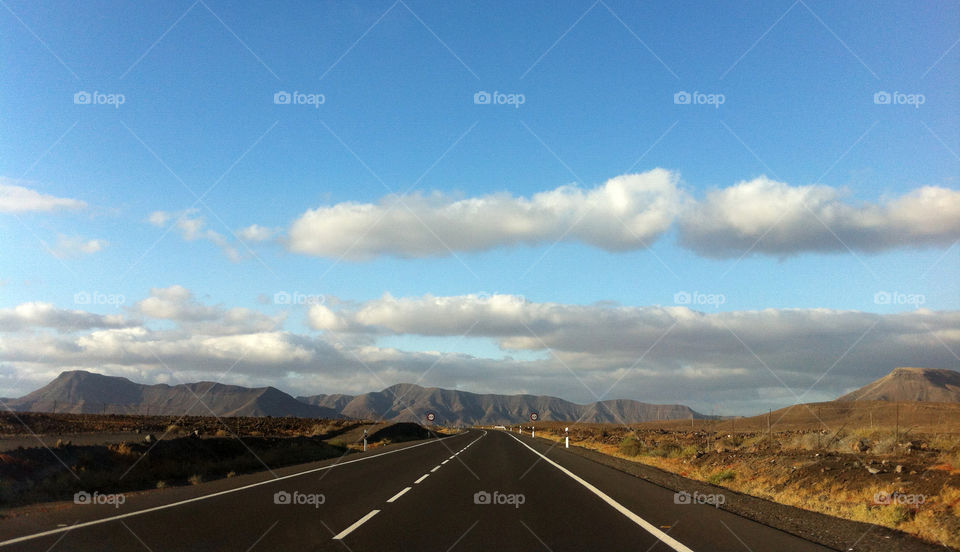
(398, 495)
(422, 477)
(211, 495)
(356, 524)
(663, 537)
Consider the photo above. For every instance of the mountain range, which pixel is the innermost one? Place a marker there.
(408, 402)
(85, 392)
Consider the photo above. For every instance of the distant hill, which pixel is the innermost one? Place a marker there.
(408, 402)
(85, 392)
(910, 384)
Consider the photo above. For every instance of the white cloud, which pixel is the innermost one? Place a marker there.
(193, 227)
(45, 315)
(778, 219)
(631, 212)
(76, 246)
(256, 233)
(652, 353)
(18, 199)
(177, 303)
(627, 212)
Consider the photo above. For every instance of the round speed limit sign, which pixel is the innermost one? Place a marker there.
(431, 416)
(534, 416)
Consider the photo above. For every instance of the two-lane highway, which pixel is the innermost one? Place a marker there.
(478, 490)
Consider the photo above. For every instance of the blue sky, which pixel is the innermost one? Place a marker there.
(398, 81)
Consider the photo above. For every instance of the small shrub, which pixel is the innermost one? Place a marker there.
(630, 446)
(195, 479)
(161, 484)
(721, 476)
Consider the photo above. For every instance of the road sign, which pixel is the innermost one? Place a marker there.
(534, 416)
(431, 416)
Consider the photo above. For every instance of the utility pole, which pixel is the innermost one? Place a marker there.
(898, 423)
(769, 428)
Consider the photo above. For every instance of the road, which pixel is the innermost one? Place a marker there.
(478, 490)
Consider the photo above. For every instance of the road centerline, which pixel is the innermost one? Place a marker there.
(356, 524)
(398, 495)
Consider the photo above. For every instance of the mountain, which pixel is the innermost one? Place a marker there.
(335, 401)
(911, 384)
(85, 392)
(408, 402)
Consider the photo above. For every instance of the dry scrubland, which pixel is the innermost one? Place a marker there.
(123, 453)
(842, 467)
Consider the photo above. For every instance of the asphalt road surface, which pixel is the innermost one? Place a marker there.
(478, 490)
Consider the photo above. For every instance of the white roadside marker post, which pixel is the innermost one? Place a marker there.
(566, 432)
(364, 440)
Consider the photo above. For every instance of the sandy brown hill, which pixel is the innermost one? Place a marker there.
(911, 384)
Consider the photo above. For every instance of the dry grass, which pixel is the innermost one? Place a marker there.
(820, 471)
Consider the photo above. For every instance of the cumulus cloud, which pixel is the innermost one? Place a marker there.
(714, 352)
(46, 315)
(76, 246)
(766, 216)
(627, 212)
(193, 227)
(256, 233)
(18, 199)
(178, 304)
(630, 212)
(739, 361)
